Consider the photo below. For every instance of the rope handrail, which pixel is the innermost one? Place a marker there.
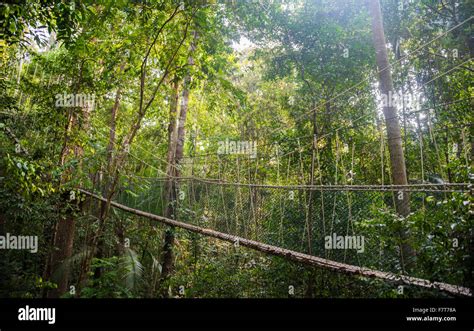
(293, 255)
(427, 187)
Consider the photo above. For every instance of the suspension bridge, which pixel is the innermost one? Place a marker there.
(248, 214)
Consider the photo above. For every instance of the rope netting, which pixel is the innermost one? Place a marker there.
(353, 225)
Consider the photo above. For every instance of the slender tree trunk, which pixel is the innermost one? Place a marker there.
(171, 205)
(172, 139)
(108, 172)
(62, 250)
(113, 123)
(397, 158)
(170, 184)
(310, 287)
(119, 230)
(57, 265)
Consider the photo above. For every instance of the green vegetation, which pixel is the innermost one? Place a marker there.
(163, 106)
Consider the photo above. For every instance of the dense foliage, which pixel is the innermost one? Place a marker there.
(297, 78)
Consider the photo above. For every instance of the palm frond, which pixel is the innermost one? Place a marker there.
(132, 268)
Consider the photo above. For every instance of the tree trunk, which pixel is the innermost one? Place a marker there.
(170, 184)
(172, 139)
(113, 123)
(108, 173)
(57, 265)
(397, 159)
(178, 155)
(62, 250)
(310, 287)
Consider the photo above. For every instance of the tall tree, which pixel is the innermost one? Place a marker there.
(178, 155)
(63, 239)
(394, 136)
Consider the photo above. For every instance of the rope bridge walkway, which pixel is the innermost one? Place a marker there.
(256, 216)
